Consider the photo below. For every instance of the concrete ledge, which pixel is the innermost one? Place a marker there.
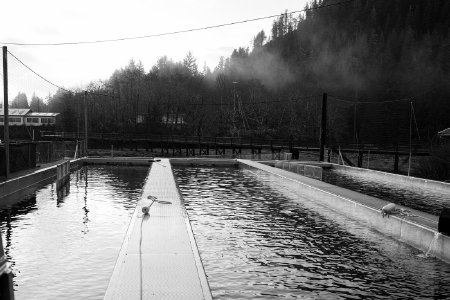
(302, 168)
(413, 182)
(15, 189)
(123, 161)
(212, 162)
(422, 237)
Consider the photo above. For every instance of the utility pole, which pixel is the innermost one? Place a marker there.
(5, 109)
(85, 124)
(323, 128)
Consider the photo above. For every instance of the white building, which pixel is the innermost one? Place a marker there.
(24, 116)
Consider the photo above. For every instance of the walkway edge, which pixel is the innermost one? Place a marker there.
(161, 245)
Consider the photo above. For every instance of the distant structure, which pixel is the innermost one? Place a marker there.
(172, 119)
(444, 135)
(26, 117)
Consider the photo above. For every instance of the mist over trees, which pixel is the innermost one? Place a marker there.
(20, 101)
(362, 51)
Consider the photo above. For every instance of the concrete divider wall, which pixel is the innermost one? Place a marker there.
(122, 161)
(211, 162)
(300, 168)
(413, 182)
(416, 235)
(23, 185)
(313, 172)
(26, 183)
(292, 167)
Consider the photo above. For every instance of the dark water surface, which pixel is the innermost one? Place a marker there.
(259, 238)
(427, 200)
(65, 246)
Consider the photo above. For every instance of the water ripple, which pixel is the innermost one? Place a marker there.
(259, 238)
(426, 200)
(65, 247)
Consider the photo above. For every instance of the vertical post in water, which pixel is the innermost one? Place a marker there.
(5, 109)
(85, 124)
(6, 283)
(78, 117)
(323, 128)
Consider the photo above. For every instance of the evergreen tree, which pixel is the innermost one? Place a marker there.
(20, 101)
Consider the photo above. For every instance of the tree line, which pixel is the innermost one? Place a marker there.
(361, 51)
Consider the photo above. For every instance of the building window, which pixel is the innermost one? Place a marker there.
(14, 120)
(47, 121)
(32, 120)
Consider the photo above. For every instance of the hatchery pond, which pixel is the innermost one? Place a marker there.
(260, 238)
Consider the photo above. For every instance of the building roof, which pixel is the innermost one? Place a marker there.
(445, 132)
(21, 112)
(42, 114)
(16, 112)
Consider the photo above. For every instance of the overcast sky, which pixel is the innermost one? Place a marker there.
(74, 66)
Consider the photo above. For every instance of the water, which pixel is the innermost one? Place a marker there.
(426, 200)
(259, 238)
(66, 246)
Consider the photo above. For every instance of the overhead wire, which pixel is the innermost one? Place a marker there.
(369, 102)
(148, 36)
(254, 102)
(52, 83)
(175, 32)
(37, 74)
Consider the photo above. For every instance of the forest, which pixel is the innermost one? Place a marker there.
(384, 64)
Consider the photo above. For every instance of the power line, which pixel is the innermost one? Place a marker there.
(175, 32)
(37, 74)
(369, 102)
(53, 84)
(255, 102)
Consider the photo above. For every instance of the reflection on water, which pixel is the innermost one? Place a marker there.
(259, 238)
(64, 244)
(426, 200)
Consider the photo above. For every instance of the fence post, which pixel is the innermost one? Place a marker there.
(360, 158)
(6, 283)
(396, 161)
(85, 124)
(5, 109)
(323, 128)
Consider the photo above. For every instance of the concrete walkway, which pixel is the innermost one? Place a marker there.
(159, 257)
